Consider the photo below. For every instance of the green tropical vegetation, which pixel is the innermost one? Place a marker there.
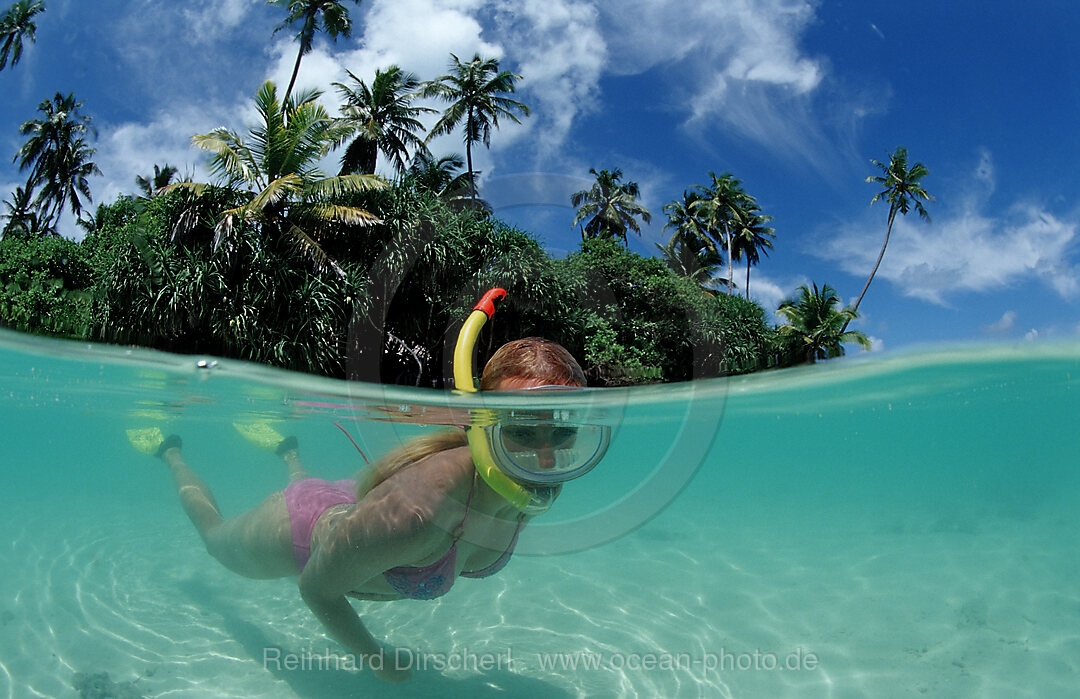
(18, 24)
(276, 178)
(366, 276)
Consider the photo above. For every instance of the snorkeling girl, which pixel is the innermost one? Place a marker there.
(414, 522)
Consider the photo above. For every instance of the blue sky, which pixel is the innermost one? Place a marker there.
(793, 97)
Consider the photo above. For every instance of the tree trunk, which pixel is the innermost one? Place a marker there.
(888, 231)
(363, 359)
(292, 81)
(731, 272)
(468, 157)
(371, 156)
(748, 277)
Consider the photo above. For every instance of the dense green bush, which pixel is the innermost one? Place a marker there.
(45, 286)
(149, 273)
(643, 323)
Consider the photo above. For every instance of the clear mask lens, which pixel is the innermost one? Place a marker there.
(547, 452)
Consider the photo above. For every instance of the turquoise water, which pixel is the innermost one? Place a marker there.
(903, 525)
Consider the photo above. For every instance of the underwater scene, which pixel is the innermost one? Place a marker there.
(894, 525)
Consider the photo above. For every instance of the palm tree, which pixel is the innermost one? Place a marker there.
(22, 215)
(384, 118)
(276, 174)
(445, 178)
(162, 177)
(684, 217)
(312, 15)
(477, 93)
(750, 237)
(610, 205)
(815, 326)
(58, 156)
(690, 246)
(900, 187)
(15, 25)
(721, 203)
(686, 257)
(439, 175)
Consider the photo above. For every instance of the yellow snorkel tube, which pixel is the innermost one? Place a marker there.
(498, 481)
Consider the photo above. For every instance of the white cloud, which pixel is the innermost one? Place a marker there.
(746, 54)
(739, 64)
(557, 43)
(210, 20)
(1003, 324)
(127, 150)
(564, 56)
(419, 36)
(968, 250)
(318, 70)
(767, 292)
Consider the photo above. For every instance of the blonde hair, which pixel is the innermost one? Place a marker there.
(407, 454)
(532, 358)
(527, 358)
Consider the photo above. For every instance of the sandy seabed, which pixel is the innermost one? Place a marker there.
(904, 606)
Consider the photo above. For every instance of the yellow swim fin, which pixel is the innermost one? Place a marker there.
(261, 434)
(147, 440)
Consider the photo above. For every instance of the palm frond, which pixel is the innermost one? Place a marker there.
(336, 213)
(341, 185)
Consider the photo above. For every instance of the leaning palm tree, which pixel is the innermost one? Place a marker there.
(476, 91)
(750, 237)
(383, 118)
(900, 187)
(16, 25)
(312, 15)
(815, 326)
(720, 203)
(58, 156)
(275, 173)
(610, 206)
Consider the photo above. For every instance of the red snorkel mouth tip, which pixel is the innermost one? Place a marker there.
(487, 301)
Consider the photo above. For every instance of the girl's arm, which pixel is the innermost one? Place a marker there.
(386, 530)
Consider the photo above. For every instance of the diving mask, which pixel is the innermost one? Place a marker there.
(524, 457)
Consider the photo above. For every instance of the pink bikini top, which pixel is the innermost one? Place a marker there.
(436, 579)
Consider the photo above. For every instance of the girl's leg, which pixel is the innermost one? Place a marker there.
(255, 544)
(289, 452)
(195, 497)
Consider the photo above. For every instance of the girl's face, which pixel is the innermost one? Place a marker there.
(541, 440)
